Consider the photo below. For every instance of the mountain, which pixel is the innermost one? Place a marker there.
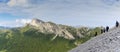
(29, 39)
(58, 30)
(40, 36)
(106, 42)
(2, 27)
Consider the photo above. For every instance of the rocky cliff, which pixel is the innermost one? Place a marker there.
(49, 27)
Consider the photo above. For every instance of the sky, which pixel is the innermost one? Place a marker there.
(91, 13)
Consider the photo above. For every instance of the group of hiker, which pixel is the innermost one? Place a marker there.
(106, 29)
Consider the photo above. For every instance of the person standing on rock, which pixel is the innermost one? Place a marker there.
(96, 33)
(107, 28)
(117, 23)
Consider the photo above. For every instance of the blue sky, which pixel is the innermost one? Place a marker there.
(69, 12)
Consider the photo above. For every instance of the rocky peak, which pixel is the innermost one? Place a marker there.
(49, 27)
(35, 20)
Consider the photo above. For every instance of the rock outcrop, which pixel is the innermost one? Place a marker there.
(107, 42)
(49, 27)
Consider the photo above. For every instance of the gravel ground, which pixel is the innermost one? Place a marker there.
(106, 42)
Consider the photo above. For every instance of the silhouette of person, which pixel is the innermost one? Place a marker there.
(117, 23)
(107, 28)
(101, 31)
(95, 33)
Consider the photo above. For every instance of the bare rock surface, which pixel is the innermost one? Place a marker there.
(49, 27)
(106, 42)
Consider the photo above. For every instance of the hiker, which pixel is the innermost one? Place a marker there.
(102, 31)
(117, 23)
(95, 33)
(107, 28)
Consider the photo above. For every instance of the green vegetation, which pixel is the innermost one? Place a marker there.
(28, 39)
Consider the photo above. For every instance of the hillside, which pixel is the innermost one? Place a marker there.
(30, 40)
(39, 38)
(49, 27)
(107, 42)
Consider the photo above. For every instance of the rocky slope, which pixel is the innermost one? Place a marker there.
(107, 42)
(49, 27)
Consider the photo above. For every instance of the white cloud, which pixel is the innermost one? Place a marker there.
(64, 11)
(19, 3)
(23, 21)
(55, 8)
(15, 23)
(10, 24)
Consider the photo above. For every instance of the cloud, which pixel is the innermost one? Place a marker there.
(10, 24)
(23, 21)
(15, 23)
(63, 11)
(111, 2)
(19, 3)
(54, 8)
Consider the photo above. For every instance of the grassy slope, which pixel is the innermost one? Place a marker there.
(28, 39)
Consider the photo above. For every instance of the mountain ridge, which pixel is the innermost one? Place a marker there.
(50, 27)
(37, 35)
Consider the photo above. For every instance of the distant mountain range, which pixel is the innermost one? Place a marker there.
(2, 27)
(40, 36)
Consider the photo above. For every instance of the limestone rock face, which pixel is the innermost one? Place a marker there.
(48, 27)
(107, 42)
